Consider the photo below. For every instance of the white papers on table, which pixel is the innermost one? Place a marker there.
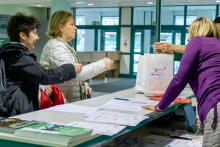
(115, 117)
(184, 143)
(159, 141)
(73, 108)
(130, 105)
(103, 129)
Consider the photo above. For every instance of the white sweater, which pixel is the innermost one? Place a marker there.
(57, 53)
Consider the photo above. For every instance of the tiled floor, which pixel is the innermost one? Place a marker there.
(100, 81)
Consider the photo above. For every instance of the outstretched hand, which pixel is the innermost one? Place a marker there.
(149, 107)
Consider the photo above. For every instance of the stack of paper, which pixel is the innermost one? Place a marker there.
(73, 108)
(116, 118)
(54, 133)
(103, 129)
(184, 143)
(159, 141)
(126, 104)
(9, 125)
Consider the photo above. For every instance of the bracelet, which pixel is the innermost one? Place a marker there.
(157, 109)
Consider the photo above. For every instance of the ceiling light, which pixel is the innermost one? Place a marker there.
(39, 5)
(150, 3)
(90, 4)
(218, 1)
(80, 2)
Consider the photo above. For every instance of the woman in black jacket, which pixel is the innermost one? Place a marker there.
(23, 72)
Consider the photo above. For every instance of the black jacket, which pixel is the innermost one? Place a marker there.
(24, 74)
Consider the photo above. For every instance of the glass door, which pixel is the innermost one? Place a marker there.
(85, 40)
(107, 39)
(172, 36)
(144, 38)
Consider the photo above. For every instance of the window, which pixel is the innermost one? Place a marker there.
(144, 15)
(104, 16)
(80, 20)
(179, 20)
(85, 40)
(168, 15)
(190, 19)
(194, 12)
(147, 15)
(110, 20)
(137, 42)
(107, 40)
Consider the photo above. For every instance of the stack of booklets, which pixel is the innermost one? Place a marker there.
(53, 133)
(9, 125)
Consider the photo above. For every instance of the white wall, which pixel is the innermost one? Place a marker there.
(124, 64)
(147, 17)
(138, 17)
(167, 17)
(207, 13)
(39, 13)
(125, 34)
(110, 14)
(126, 16)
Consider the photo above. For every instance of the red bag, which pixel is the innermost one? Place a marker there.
(57, 96)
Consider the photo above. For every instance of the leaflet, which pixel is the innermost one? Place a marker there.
(133, 105)
(115, 117)
(159, 141)
(104, 129)
(73, 108)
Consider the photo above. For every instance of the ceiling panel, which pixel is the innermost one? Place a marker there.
(110, 3)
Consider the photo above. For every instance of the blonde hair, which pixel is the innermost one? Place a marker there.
(59, 17)
(203, 27)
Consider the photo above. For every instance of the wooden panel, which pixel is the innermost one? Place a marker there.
(96, 56)
(115, 65)
(100, 76)
(85, 56)
(114, 55)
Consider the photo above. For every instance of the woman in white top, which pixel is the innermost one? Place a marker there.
(59, 51)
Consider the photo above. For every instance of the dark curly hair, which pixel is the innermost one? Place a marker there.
(21, 23)
(217, 20)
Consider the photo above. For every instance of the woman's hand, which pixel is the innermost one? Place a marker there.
(157, 49)
(198, 122)
(49, 90)
(108, 63)
(88, 90)
(163, 47)
(149, 107)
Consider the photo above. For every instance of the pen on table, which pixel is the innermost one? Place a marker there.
(122, 99)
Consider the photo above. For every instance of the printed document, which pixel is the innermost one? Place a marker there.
(73, 108)
(115, 117)
(103, 129)
(159, 141)
(133, 105)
